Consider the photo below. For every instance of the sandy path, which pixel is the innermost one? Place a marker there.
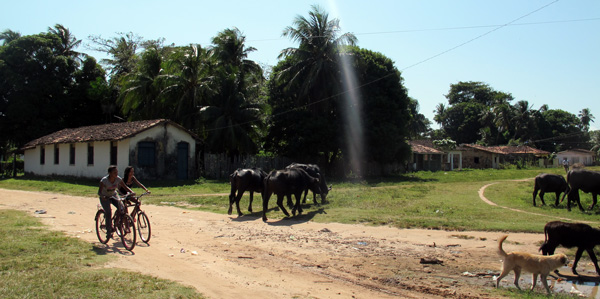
(242, 257)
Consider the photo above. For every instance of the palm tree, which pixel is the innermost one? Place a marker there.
(232, 116)
(68, 42)
(188, 84)
(523, 121)
(440, 111)
(586, 117)
(140, 89)
(314, 68)
(8, 36)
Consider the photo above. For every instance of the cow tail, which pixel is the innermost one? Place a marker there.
(501, 251)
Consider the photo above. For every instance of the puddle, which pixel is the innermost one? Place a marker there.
(585, 285)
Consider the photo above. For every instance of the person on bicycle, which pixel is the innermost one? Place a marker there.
(108, 194)
(129, 179)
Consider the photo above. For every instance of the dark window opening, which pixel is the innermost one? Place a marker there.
(476, 160)
(42, 155)
(56, 154)
(146, 154)
(72, 154)
(90, 154)
(113, 153)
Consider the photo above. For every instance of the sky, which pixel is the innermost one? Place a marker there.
(540, 51)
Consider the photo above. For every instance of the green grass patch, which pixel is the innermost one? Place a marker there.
(434, 200)
(38, 263)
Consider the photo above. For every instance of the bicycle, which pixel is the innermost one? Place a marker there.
(123, 225)
(139, 217)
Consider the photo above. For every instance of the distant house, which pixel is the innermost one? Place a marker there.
(479, 156)
(575, 155)
(158, 149)
(425, 156)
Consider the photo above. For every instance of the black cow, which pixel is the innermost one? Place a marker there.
(285, 183)
(586, 180)
(547, 182)
(314, 171)
(242, 180)
(569, 235)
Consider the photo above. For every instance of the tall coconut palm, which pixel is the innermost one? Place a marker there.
(8, 36)
(141, 88)
(523, 121)
(314, 71)
(586, 117)
(232, 116)
(68, 42)
(188, 84)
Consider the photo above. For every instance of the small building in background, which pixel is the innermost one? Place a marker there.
(157, 149)
(575, 156)
(480, 157)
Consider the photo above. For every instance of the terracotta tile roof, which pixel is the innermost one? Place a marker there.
(508, 149)
(113, 131)
(423, 147)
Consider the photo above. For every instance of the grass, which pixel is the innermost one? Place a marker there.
(38, 263)
(434, 200)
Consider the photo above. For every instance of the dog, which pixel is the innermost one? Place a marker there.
(536, 264)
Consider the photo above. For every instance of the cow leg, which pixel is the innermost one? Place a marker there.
(542, 198)
(265, 197)
(237, 201)
(594, 199)
(280, 203)
(305, 194)
(231, 201)
(557, 198)
(577, 257)
(592, 255)
(297, 206)
(251, 199)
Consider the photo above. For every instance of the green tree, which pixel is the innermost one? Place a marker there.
(313, 71)
(585, 116)
(419, 125)
(189, 83)
(233, 114)
(8, 36)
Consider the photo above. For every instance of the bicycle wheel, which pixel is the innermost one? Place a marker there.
(101, 230)
(143, 226)
(128, 233)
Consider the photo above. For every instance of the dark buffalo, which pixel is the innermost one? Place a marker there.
(547, 182)
(314, 171)
(569, 235)
(285, 183)
(242, 180)
(586, 180)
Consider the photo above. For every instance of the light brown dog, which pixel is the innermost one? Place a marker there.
(537, 264)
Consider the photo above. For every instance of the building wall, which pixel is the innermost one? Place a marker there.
(574, 157)
(473, 158)
(166, 137)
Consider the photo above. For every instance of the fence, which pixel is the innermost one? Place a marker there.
(220, 166)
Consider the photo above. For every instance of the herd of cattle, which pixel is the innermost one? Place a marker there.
(293, 180)
(297, 178)
(570, 235)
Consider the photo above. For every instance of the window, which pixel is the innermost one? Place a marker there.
(113, 153)
(42, 155)
(56, 154)
(476, 160)
(72, 154)
(90, 154)
(146, 153)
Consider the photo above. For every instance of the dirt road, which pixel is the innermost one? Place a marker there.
(229, 257)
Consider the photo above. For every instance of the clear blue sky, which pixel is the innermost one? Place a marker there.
(550, 54)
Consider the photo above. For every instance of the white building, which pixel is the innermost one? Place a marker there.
(582, 156)
(157, 149)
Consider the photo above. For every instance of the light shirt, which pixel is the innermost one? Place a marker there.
(110, 189)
